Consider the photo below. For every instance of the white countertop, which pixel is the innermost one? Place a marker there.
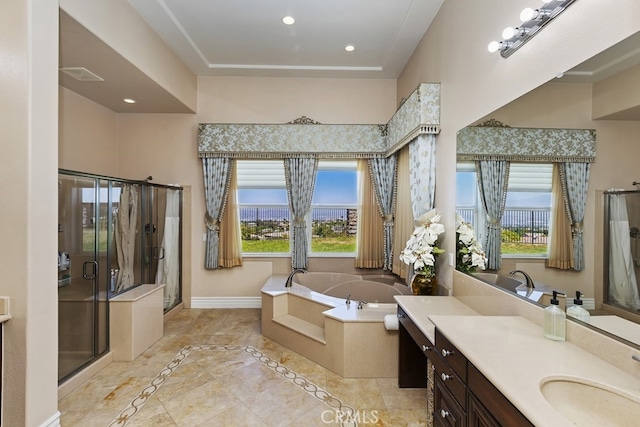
(513, 354)
(419, 308)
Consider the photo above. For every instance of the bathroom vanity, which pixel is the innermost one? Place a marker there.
(458, 393)
(497, 369)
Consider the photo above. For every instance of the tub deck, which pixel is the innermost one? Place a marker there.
(349, 341)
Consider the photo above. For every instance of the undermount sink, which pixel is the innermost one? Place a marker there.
(587, 403)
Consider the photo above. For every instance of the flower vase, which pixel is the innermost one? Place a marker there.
(424, 285)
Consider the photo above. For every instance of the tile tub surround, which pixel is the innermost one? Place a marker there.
(512, 353)
(231, 387)
(349, 341)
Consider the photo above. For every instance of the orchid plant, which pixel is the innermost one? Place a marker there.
(469, 253)
(421, 248)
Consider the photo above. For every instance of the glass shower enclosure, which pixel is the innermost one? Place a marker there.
(622, 249)
(113, 234)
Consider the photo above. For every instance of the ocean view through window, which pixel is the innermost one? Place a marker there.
(264, 211)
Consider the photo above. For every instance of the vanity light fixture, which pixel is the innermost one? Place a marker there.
(288, 20)
(533, 20)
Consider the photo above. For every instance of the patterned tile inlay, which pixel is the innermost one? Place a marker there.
(310, 388)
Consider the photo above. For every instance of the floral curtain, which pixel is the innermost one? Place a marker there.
(383, 176)
(125, 235)
(217, 175)
(493, 179)
(300, 177)
(575, 181)
(422, 173)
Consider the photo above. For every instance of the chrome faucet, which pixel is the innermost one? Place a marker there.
(526, 276)
(289, 281)
(361, 304)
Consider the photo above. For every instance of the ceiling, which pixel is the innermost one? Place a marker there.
(248, 38)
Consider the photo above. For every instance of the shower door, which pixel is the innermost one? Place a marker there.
(82, 245)
(162, 237)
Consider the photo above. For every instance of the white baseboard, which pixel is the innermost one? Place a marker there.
(226, 302)
(53, 421)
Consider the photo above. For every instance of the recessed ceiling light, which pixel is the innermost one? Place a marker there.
(349, 48)
(129, 100)
(288, 20)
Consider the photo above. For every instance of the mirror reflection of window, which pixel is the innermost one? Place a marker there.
(526, 220)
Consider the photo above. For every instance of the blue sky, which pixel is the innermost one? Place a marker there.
(332, 187)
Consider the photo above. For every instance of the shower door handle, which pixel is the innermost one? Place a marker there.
(94, 270)
(158, 252)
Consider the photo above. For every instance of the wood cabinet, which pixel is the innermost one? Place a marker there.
(462, 396)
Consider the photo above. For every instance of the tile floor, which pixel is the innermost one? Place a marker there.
(214, 368)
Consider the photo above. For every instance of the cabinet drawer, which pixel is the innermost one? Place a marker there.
(447, 412)
(451, 356)
(450, 380)
(490, 398)
(420, 339)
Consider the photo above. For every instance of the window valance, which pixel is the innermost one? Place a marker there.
(526, 144)
(419, 114)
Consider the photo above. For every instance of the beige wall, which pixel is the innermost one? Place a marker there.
(164, 145)
(475, 83)
(88, 135)
(28, 188)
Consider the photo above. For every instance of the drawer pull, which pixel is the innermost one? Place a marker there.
(445, 376)
(446, 353)
(444, 413)
(426, 348)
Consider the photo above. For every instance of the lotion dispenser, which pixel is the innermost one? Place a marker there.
(554, 319)
(577, 311)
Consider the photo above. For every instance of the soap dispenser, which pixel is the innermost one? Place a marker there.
(577, 311)
(553, 322)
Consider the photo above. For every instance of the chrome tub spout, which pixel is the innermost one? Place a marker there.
(526, 276)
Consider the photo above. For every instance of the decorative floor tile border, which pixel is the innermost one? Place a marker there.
(310, 388)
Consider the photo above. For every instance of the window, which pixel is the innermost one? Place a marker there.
(264, 208)
(525, 222)
(334, 208)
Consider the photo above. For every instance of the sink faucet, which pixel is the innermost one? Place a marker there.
(526, 276)
(289, 281)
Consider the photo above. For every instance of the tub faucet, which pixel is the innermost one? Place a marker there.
(361, 304)
(289, 281)
(348, 299)
(526, 276)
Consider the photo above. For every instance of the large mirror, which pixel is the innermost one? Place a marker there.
(602, 94)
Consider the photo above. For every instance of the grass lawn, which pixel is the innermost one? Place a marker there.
(523, 248)
(324, 244)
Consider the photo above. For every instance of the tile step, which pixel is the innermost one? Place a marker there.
(302, 327)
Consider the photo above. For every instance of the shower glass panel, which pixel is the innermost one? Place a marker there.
(79, 307)
(113, 234)
(622, 249)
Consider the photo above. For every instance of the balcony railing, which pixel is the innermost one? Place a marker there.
(529, 226)
(265, 228)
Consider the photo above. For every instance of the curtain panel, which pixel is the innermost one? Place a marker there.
(230, 252)
(422, 173)
(493, 179)
(404, 221)
(560, 245)
(383, 177)
(300, 177)
(575, 181)
(370, 243)
(217, 176)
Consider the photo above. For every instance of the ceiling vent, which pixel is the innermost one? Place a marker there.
(81, 74)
